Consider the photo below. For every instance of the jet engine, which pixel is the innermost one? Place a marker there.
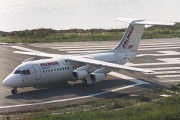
(97, 77)
(79, 74)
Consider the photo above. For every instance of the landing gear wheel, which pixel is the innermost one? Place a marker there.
(85, 83)
(14, 91)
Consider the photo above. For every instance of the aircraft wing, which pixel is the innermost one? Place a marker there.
(106, 64)
(41, 54)
(87, 61)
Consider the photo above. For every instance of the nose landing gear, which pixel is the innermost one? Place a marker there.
(14, 91)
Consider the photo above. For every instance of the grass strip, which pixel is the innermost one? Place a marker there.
(74, 35)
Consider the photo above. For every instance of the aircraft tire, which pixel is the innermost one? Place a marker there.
(85, 83)
(14, 91)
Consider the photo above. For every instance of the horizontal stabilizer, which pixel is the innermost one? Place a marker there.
(142, 21)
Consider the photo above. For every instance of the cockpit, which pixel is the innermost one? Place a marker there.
(23, 72)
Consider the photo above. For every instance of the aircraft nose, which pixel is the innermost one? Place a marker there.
(8, 81)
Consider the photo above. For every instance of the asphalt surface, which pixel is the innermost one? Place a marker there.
(160, 55)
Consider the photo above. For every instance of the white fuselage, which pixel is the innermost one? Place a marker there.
(58, 69)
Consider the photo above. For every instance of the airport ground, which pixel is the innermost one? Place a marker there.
(160, 55)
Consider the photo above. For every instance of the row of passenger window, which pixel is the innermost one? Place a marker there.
(75, 67)
(56, 69)
(113, 61)
(60, 69)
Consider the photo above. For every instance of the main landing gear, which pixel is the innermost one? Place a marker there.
(85, 83)
(14, 91)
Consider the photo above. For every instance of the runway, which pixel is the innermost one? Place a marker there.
(160, 55)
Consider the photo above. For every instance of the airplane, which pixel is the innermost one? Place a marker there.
(90, 67)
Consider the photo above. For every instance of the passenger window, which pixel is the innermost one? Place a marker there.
(57, 69)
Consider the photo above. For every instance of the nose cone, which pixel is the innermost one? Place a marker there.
(8, 81)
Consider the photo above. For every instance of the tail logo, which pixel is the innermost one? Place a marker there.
(127, 39)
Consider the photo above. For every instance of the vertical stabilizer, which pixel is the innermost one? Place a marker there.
(132, 36)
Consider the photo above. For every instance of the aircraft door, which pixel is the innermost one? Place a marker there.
(37, 72)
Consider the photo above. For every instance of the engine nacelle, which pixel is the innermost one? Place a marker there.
(97, 77)
(79, 74)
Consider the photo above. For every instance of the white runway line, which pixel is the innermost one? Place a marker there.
(164, 72)
(166, 81)
(154, 46)
(163, 53)
(127, 78)
(165, 61)
(149, 64)
(164, 68)
(25, 49)
(159, 48)
(159, 43)
(168, 76)
(138, 82)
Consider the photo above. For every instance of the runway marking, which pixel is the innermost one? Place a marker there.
(25, 49)
(165, 72)
(137, 82)
(163, 53)
(127, 78)
(158, 48)
(166, 61)
(165, 68)
(169, 81)
(159, 43)
(167, 76)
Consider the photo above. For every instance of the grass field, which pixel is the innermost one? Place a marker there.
(74, 35)
(146, 106)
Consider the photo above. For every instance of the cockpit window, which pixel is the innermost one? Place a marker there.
(25, 72)
(17, 72)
